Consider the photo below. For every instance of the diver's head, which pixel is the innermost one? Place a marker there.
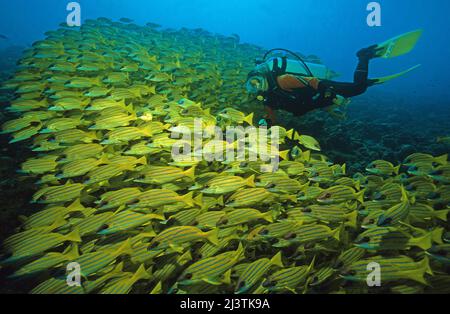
(257, 80)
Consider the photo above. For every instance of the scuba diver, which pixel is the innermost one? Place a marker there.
(296, 86)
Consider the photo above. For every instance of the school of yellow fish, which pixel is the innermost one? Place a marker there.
(98, 104)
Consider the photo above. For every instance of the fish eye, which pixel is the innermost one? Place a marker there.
(270, 186)
(104, 227)
(433, 195)
(328, 195)
(35, 123)
(153, 245)
(387, 221)
(264, 232)
(224, 222)
(243, 164)
(184, 111)
(306, 210)
(274, 240)
(439, 206)
(267, 284)
(365, 239)
(218, 118)
(290, 236)
(241, 284)
(188, 276)
(134, 202)
(195, 223)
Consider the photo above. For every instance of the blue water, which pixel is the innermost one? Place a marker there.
(331, 29)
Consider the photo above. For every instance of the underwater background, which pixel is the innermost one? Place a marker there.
(389, 122)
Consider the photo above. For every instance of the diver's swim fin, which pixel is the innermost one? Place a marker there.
(385, 79)
(399, 45)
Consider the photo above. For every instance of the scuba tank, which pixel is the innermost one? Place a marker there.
(297, 66)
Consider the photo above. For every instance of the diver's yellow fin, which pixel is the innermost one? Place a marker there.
(399, 45)
(385, 79)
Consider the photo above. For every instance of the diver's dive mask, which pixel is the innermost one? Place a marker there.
(257, 83)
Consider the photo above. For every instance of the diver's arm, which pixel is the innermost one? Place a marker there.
(270, 115)
(270, 105)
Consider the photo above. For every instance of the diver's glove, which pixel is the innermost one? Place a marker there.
(265, 122)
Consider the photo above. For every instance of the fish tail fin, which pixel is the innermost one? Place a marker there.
(442, 160)
(306, 155)
(187, 199)
(284, 154)
(250, 181)
(290, 134)
(310, 267)
(157, 289)
(198, 200)
(268, 217)
(76, 205)
(424, 242)
(405, 197)
(277, 260)
(226, 279)
(249, 118)
(297, 136)
(436, 235)
(344, 168)
(74, 236)
(417, 276)
(147, 131)
(141, 161)
(190, 173)
(337, 233)
(72, 253)
(103, 160)
(240, 252)
(140, 274)
(425, 265)
(397, 169)
(360, 196)
(122, 104)
(441, 214)
(212, 236)
(352, 219)
(125, 248)
(219, 200)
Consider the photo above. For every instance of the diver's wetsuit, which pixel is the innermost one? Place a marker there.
(300, 95)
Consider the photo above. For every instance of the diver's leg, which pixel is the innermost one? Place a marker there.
(360, 79)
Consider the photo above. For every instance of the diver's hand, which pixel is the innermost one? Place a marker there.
(265, 122)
